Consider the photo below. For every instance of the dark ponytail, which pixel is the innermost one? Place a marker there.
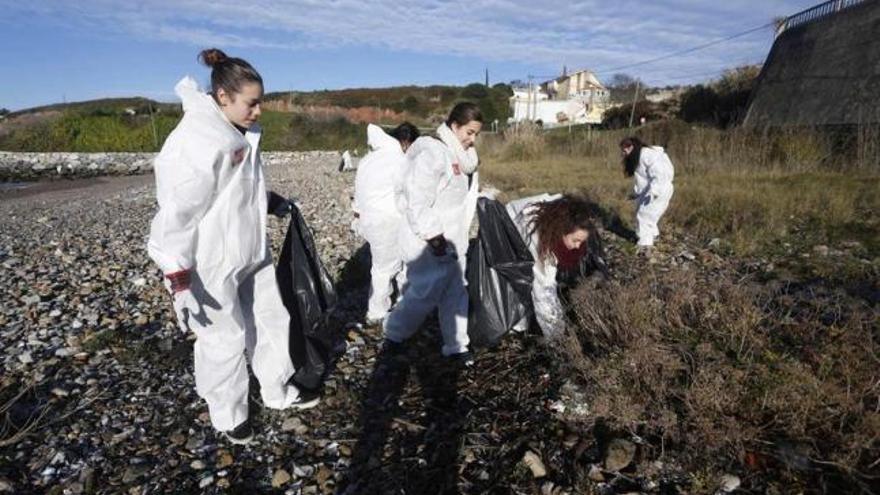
(229, 73)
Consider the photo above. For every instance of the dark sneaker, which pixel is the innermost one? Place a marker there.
(242, 434)
(465, 359)
(307, 399)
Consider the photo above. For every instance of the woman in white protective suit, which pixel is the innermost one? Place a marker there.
(209, 239)
(653, 172)
(379, 218)
(556, 229)
(440, 195)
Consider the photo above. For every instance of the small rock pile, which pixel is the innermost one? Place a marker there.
(19, 166)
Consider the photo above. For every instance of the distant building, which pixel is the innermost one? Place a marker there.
(660, 95)
(577, 98)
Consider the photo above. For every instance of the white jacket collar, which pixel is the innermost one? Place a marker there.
(467, 159)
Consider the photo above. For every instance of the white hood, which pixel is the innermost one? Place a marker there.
(377, 139)
(194, 100)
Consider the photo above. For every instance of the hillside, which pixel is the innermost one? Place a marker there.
(291, 121)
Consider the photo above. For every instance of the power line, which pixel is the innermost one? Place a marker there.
(681, 77)
(685, 51)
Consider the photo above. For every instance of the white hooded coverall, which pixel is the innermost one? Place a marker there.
(440, 199)
(379, 217)
(653, 190)
(545, 295)
(212, 221)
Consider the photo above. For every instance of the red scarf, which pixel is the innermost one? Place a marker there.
(567, 259)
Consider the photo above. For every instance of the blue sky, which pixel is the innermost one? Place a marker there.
(70, 50)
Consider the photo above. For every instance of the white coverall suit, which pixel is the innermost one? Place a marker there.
(653, 190)
(545, 295)
(379, 216)
(440, 199)
(212, 220)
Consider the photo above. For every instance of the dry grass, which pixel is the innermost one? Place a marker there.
(710, 368)
(749, 191)
(780, 378)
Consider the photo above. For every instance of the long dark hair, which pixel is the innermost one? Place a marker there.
(631, 161)
(229, 73)
(464, 113)
(554, 219)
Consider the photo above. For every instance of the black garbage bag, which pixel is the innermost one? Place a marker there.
(309, 296)
(499, 275)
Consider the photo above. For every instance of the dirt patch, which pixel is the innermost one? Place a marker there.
(60, 190)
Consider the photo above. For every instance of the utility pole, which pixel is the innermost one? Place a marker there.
(632, 112)
(487, 77)
(529, 100)
(290, 99)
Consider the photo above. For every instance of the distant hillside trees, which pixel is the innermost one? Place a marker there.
(721, 103)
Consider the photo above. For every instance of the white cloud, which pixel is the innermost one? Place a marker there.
(588, 33)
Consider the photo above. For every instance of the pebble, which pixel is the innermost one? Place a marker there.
(224, 460)
(133, 473)
(534, 463)
(295, 425)
(619, 455)
(280, 478)
(303, 471)
(729, 483)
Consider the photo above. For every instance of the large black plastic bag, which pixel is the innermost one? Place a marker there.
(499, 274)
(309, 296)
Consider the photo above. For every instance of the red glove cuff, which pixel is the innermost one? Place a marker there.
(180, 281)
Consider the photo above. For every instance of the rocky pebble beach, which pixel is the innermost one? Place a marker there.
(97, 392)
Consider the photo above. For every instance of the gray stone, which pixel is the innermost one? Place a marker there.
(729, 483)
(619, 455)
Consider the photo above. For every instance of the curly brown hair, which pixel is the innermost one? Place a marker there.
(554, 219)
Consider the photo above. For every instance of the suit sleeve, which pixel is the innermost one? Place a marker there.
(545, 297)
(422, 178)
(186, 182)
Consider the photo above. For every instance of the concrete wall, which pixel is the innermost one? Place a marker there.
(826, 72)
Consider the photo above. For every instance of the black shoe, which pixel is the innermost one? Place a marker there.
(307, 399)
(242, 434)
(465, 359)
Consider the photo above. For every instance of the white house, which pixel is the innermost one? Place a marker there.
(578, 98)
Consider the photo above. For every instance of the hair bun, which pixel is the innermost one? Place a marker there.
(212, 57)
